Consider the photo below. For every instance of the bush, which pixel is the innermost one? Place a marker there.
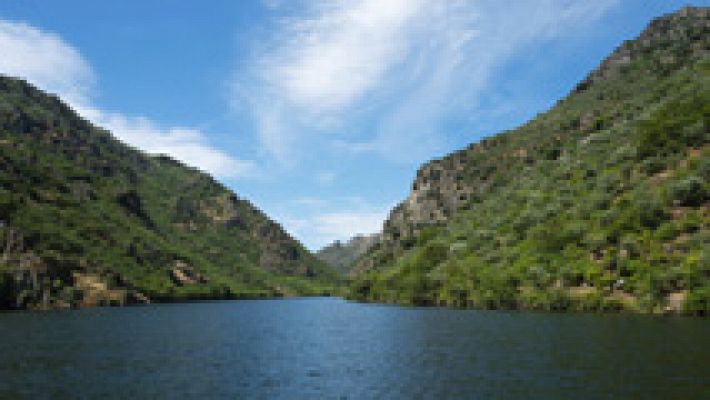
(689, 192)
(667, 231)
(431, 255)
(559, 300)
(651, 213)
(678, 124)
(653, 165)
(702, 165)
(611, 304)
(698, 302)
(426, 234)
(589, 302)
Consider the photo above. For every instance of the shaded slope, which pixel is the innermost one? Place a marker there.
(74, 199)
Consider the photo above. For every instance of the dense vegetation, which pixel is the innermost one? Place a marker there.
(74, 199)
(601, 203)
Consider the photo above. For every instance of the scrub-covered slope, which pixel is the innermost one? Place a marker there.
(599, 203)
(86, 219)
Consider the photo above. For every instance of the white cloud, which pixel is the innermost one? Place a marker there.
(45, 60)
(320, 229)
(403, 64)
(321, 65)
(184, 144)
(328, 62)
(318, 221)
(344, 225)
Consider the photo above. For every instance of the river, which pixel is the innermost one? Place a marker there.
(312, 348)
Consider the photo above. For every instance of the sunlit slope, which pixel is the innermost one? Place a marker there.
(599, 203)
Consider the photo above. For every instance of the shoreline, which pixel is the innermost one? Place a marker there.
(523, 310)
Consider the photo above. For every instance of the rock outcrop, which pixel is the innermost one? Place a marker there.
(343, 256)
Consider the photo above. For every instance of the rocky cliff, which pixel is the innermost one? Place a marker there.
(343, 256)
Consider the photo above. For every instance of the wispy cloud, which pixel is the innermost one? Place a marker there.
(321, 221)
(185, 144)
(395, 68)
(326, 63)
(321, 229)
(344, 225)
(47, 61)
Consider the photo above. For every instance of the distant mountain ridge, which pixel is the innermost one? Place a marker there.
(342, 256)
(85, 219)
(532, 217)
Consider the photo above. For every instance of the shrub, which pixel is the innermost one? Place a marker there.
(431, 255)
(651, 213)
(426, 234)
(667, 231)
(611, 304)
(698, 302)
(676, 125)
(653, 165)
(689, 192)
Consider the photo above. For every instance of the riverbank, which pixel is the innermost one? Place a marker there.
(560, 300)
(31, 289)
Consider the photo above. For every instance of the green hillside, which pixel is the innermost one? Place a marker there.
(601, 203)
(77, 204)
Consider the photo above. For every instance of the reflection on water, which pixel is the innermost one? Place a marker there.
(329, 348)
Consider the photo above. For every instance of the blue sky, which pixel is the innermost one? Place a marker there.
(317, 112)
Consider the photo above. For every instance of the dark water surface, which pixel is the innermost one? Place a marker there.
(329, 348)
